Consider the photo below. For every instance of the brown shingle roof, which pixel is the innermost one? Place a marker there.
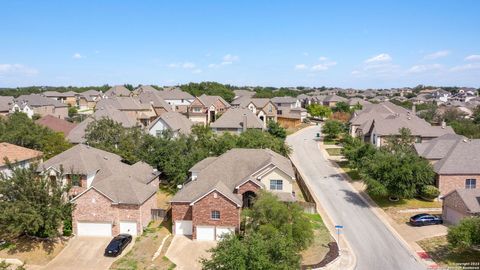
(122, 183)
(234, 118)
(56, 124)
(230, 169)
(15, 153)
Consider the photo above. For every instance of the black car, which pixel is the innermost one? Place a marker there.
(117, 245)
(425, 219)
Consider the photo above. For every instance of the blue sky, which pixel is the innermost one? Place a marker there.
(269, 43)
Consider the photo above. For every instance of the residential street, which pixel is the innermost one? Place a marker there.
(374, 245)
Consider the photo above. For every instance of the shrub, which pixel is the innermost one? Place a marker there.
(466, 234)
(429, 192)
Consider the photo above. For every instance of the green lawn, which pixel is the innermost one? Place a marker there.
(437, 248)
(384, 202)
(319, 247)
(330, 142)
(334, 151)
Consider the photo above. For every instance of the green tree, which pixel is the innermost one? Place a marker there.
(317, 110)
(209, 88)
(20, 130)
(332, 128)
(275, 234)
(402, 142)
(72, 111)
(342, 107)
(397, 174)
(31, 204)
(466, 234)
(276, 130)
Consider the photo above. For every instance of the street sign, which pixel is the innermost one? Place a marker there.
(339, 226)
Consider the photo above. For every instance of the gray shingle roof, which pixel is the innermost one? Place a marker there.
(439, 147)
(463, 158)
(6, 103)
(36, 100)
(175, 94)
(122, 183)
(230, 170)
(175, 121)
(155, 99)
(234, 118)
(118, 90)
(277, 100)
(211, 100)
(334, 98)
(470, 197)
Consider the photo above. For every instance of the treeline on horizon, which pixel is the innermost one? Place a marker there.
(195, 89)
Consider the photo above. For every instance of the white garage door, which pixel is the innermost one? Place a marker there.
(452, 216)
(183, 227)
(129, 227)
(94, 229)
(221, 231)
(206, 233)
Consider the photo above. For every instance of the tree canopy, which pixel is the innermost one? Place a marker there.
(31, 204)
(317, 110)
(275, 233)
(20, 130)
(209, 88)
(174, 156)
(332, 128)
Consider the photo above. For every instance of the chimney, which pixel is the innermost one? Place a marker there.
(244, 123)
(444, 124)
(414, 109)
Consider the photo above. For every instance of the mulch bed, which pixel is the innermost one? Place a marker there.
(331, 255)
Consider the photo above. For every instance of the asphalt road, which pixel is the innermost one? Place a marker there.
(375, 247)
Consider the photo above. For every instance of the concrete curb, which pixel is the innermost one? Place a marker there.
(378, 212)
(346, 252)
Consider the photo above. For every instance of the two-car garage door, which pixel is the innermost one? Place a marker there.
(94, 229)
(105, 228)
(212, 233)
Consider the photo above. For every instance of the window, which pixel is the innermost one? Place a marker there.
(276, 185)
(279, 112)
(471, 183)
(158, 133)
(215, 214)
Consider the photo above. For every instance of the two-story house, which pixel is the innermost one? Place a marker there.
(110, 196)
(209, 204)
(206, 109)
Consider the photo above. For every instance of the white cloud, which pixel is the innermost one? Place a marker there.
(424, 68)
(188, 65)
(77, 56)
(196, 71)
(437, 55)
(381, 58)
(306, 54)
(17, 69)
(470, 66)
(323, 66)
(185, 65)
(323, 58)
(356, 72)
(230, 58)
(473, 57)
(300, 67)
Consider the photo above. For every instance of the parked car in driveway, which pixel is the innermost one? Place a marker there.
(117, 245)
(425, 219)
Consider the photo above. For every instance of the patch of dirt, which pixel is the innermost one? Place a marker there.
(145, 246)
(32, 251)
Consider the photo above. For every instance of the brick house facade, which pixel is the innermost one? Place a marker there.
(216, 209)
(447, 183)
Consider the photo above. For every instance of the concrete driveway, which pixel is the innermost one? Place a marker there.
(84, 253)
(186, 253)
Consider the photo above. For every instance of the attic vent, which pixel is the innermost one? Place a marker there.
(215, 195)
(106, 158)
(465, 140)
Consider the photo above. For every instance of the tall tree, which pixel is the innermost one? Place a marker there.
(31, 204)
(20, 130)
